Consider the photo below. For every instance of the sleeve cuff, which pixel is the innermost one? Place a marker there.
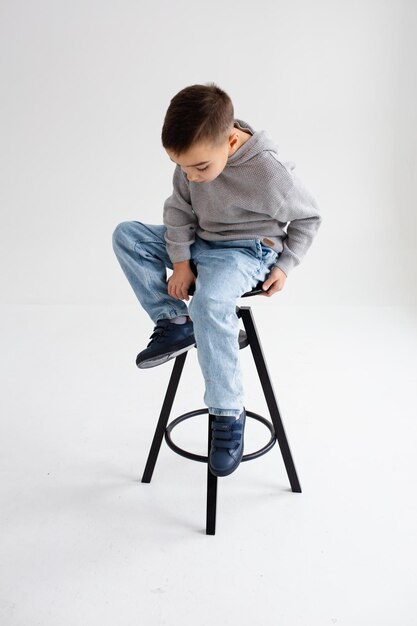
(178, 252)
(286, 263)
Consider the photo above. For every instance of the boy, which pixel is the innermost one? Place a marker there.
(232, 198)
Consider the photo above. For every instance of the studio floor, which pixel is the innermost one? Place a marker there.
(85, 543)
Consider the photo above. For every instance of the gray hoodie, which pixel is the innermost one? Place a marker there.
(256, 196)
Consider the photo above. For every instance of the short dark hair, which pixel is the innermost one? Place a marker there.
(197, 113)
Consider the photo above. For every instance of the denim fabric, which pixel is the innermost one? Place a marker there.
(226, 270)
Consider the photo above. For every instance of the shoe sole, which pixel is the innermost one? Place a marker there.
(163, 358)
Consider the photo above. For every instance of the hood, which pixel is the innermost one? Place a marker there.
(259, 142)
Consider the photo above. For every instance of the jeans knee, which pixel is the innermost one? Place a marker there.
(119, 234)
(124, 234)
(204, 306)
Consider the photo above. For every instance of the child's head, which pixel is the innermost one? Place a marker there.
(198, 131)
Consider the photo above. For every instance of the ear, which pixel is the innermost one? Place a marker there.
(233, 139)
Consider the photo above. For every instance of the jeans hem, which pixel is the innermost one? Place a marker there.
(171, 315)
(225, 412)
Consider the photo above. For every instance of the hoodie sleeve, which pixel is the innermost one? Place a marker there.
(301, 210)
(179, 219)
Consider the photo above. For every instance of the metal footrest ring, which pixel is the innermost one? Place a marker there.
(204, 459)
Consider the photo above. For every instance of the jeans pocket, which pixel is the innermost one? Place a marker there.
(269, 255)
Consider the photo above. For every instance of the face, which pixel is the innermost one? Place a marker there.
(202, 162)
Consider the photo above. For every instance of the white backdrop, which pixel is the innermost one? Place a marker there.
(85, 86)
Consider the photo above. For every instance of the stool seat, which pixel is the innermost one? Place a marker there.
(247, 337)
(253, 292)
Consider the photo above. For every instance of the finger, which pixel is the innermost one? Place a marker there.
(268, 284)
(266, 292)
(273, 289)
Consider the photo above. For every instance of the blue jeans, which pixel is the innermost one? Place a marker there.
(226, 270)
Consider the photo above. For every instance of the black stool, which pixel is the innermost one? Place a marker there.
(247, 337)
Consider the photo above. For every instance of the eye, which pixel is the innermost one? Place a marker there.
(202, 169)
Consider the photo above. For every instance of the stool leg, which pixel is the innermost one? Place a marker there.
(164, 416)
(249, 323)
(211, 491)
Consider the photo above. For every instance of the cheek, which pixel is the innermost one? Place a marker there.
(211, 176)
(217, 169)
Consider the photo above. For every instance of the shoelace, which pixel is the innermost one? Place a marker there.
(159, 332)
(226, 435)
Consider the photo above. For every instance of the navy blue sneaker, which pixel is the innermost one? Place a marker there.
(168, 340)
(226, 449)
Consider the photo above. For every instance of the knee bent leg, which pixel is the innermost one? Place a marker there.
(125, 234)
(208, 307)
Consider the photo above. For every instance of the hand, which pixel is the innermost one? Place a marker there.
(181, 280)
(275, 282)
